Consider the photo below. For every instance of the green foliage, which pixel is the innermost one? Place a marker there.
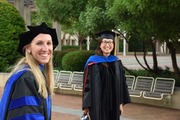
(58, 56)
(36, 19)
(148, 18)
(93, 45)
(5, 1)
(75, 61)
(138, 73)
(143, 18)
(95, 19)
(70, 47)
(135, 45)
(121, 46)
(11, 24)
(57, 59)
(65, 12)
(82, 17)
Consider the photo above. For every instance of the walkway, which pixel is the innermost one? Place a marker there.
(130, 62)
(67, 107)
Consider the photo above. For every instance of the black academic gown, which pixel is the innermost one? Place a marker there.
(21, 100)
(104, 90)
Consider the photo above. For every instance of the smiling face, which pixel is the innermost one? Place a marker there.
(41, 48)
(107, 45)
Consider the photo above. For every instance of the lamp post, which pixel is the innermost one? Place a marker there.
(88, 43)
(124, 45)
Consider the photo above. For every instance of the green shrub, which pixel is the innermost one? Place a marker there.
(75, 61)
(70, 47)
(11, 25)
(57, 59)
(93, 44)
(84, 47)
(3, 1)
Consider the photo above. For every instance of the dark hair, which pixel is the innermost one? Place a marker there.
(98, 50)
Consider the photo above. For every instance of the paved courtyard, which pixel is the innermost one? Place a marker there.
(164, 61)
(67, 107)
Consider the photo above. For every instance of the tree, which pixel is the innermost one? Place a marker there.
(150, 19)
(11, 24)
(65, 12)
(80, 17)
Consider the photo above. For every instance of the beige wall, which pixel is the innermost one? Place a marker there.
(3, 78)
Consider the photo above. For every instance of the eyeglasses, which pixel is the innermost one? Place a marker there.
(107, 42)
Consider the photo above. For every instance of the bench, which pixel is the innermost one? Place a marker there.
(162, 87)
(77, 80)
(142, 84)
(64, 80)
(130, 80)
(56, 75)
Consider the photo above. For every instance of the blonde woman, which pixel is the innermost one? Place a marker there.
(27, 93)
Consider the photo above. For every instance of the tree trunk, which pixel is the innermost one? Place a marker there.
(81, 39)
(155, 63)
(172, 51)
(80, 42)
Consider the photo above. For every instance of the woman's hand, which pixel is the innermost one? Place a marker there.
(86, 110)
(121, 108)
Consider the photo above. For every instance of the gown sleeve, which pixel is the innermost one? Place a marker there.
(124, 93)
(25, 101)
(86, 99)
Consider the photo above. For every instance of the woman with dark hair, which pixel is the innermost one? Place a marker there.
(104, 88)
(98, 50)
(28, 90)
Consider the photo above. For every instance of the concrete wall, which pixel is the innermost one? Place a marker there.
(3, 78)
(168, 101)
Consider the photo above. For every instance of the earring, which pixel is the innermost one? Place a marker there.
(29, 52)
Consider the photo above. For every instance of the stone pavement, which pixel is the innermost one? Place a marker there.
(164, 61)
(66, 107)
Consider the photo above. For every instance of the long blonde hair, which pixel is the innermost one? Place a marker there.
(45, 81)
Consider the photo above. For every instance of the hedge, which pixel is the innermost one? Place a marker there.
(11, 24)
(75, 61)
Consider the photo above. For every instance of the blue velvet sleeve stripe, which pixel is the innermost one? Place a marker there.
(34, 116)
(6, 93)
(24, 101)
(48, 104)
